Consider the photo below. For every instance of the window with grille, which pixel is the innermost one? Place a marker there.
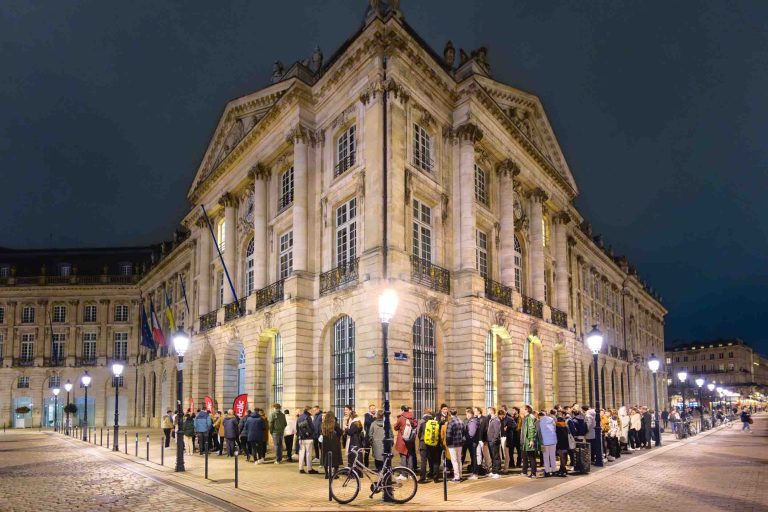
(481, 185)
(121, 313)
(249, 268)
(518, 265)
(345, 150)
(221, 234)
(23, 382)
(54, 381)
(2, 315)
(422, 148)
(27, 347)
(121, 346)
(346, 232)
(481, 259)
(285, 259)
(422, 230)
(424, 364)
(277, 371)
(241, 372)
(286, 190)
(89, 345)
(89, 313)
(59, 314)
(28, 315)
(343, 365)
(59, 342)
(490, 370)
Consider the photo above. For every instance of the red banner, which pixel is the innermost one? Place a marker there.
(240, 405)
(191, 405)
(209, 404)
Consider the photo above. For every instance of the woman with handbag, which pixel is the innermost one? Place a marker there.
(565, 442)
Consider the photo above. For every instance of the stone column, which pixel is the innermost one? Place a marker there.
(229, 202)
(261, 175)
(299, 136)
(561, 261)
(204, 259)
(469, 135)
(507, 170)
(536, 253)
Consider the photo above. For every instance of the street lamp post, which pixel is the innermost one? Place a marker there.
(700, 383)
(117, 371)
(68, 387)
(180, 344)
(682, 376)
(56, 392)
(387, 307)
(86, 381)
(594, 342)
(711, 388)
(653, 364)
(720, 394)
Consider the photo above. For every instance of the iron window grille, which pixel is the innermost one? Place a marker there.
(343, 365)
(277, 380)
(490, 370)
(424, 363)
(286, 190)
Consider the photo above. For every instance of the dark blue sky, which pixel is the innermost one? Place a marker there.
(106, 108)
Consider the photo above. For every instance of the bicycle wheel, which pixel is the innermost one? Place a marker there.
(401, 485)
(345, 485)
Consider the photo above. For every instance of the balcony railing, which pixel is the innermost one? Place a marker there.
(559, 318)
(234, 310)
(23, 361)
(423, 161)
(85, 361)
(339, 277)
(344, 164)
(533, 307)
(624, 354)
(430, 275)
(498, 292)
(208, 321)
(284, 201)
(54, 361)
(269, 295)
(614, 352)
(67, 280)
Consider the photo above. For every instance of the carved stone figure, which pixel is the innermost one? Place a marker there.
(463, 57)
(277, 71)
(449, 54)
(316, 61)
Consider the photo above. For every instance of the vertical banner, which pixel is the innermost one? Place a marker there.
(240, 405)
(208, 404)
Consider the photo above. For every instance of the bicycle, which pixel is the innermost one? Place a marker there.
(399, 484)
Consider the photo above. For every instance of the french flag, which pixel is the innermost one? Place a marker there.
(157, 332)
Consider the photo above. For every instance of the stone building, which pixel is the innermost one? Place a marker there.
(392, 165)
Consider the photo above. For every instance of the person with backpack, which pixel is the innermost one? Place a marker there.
(188, 431)
(429, 446)
(454, 439)
(306, 434)
(405, 444)
(471, 438)
(277, 424)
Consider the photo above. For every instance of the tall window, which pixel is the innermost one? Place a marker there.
(59, 314)
(27, 347)
(345, 151)
(343, 364)
(424, 363)
(2, 315)
(481, 185)
(422, 148)
(241, 372)
(2, 348)
(89, 346)
(277, 375)
(121, 313)
(422, 230)
(249, 268)
(527, 367)
(54, 381)
(59, 341)
(220, 287)
(286, 255)
(518, 265)
(89, 313)
(482, 253)
(221, 235)
(121, 346)
(28, 315)
(286, 190)
(490, 370)
(346, 232)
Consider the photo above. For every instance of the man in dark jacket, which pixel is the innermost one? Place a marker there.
(305, 433)
(254, 433)
(484, 457)
(368, 420)
(471, 438)
(317, 425)
(242, 439)
(202, 428)
(230, 432)
(508, 431)
(645, 428)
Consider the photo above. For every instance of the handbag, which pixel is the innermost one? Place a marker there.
(749, 420)
(571, 442)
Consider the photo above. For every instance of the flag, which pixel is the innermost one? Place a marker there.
(146, 332)
(209, 404)
(157, 332)
(240, 405)
(184, 292)
(168, 311)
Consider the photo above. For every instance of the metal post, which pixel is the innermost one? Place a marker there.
(125, 442)
(66, 427)
(598, 430)
(180, 419)
(236, 453)
(701, 412)
(162, 452)
(85, 416)
(329, 473)
(206, 463)
(147, 447)
(101, 436)
(656, 410)
(445, 476)
(108, 439)
(136, 453)
(55, 412)
(117, 417)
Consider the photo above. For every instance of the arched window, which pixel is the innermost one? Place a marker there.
(249, 268)
(490, 370)
(241, 372)
(518, 265)
(424, 359)
(277, 371)
(343, 364)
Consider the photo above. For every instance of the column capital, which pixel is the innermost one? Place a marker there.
(201, 222)
(507, 168)
(561, 217)
(469, 132)
(300, 134)
(539, 195)
(228, 200)
(260, 172)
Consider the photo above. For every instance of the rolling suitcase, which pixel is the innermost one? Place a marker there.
(581, 458)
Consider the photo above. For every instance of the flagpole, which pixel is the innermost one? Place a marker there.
(183, 291)
(218, 250)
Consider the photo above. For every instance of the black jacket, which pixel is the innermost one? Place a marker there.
(317, 424)
(305, 417)
(508, 428)
(484, 428)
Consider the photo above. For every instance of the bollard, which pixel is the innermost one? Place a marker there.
(236, 482)
(136, 453)
(162, 452)
(206, 463)
(329, 473)
(147, 447)
(125, 442)
(107, 438)
(445, 477)
(101, 436)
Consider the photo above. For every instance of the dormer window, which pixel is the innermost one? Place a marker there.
(422, 148)
(346, 146)
(126, 269)
(5, 271)
(65, 269)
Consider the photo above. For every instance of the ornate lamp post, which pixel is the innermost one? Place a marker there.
(700, 383)
(56, 392)
(594, 342)
(682, 376)
(68, 387)
(180, 344)
(720, 394)
(387, 306)
(117, 371)
(653, 364)
(711, 388)
(86, 381)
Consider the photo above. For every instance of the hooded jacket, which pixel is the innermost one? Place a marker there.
(547, 431)
(590, 424)
(402, 446)
(202, 422)
(254, 428)
(230, 426)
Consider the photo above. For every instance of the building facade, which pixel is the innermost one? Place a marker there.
(390, 165)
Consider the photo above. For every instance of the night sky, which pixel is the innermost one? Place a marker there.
(106, 109)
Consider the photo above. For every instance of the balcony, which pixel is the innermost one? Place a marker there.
(54, 361)
(69, 280)
(339, 277)
(344, 164)
(284, 202)
(423, 161)
(23, 361)
(85, 361)
(269, 295)
(533, 307)
(614, 351)
(430, 275)
(624, 354)
(234, 310)
(208, 321)
(559, 318)
(498, 292)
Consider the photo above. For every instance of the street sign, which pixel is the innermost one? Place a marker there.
(401, 356)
